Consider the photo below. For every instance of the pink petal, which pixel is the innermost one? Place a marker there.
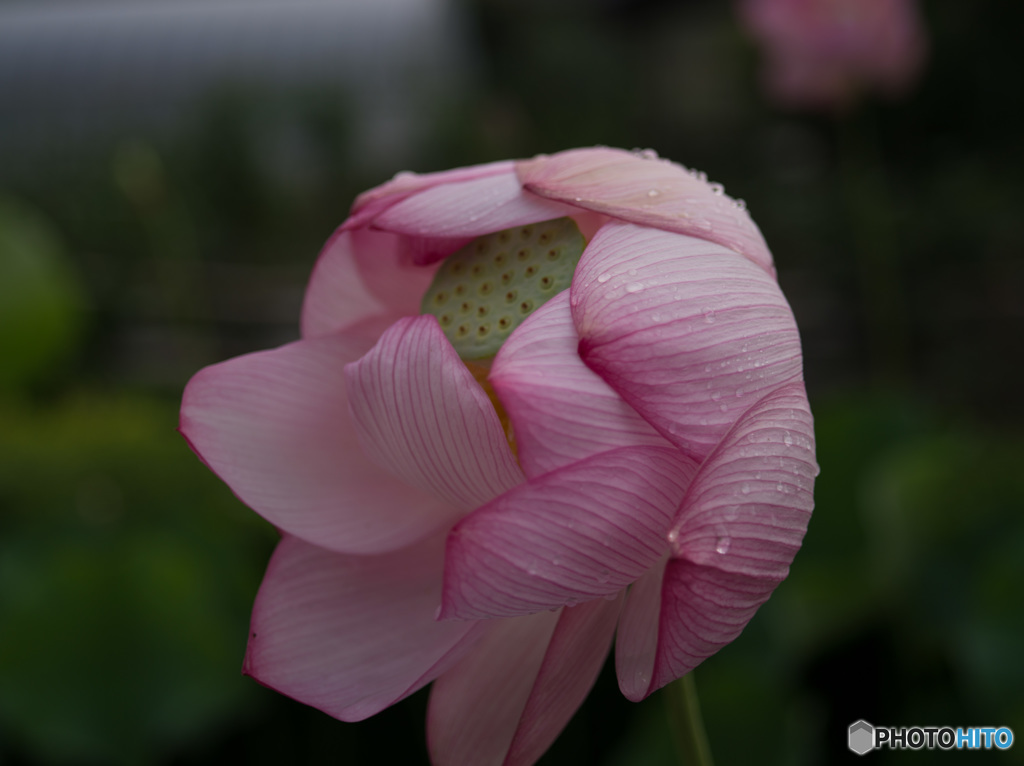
(362, 274)
(372, 203)
(275, 426)
(636, 642)
(747, 511)
(509, 699)
(561, 411)
(469, 209)
(419, 411)
(649, 192)
(578, 533)
(689, 333)
(740, 524)
(351, 635)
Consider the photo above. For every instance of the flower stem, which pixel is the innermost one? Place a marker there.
(686, 722)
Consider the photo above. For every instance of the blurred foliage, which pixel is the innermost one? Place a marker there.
(127, 570)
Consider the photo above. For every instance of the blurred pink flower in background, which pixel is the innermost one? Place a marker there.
(487, 460)
(822, 54)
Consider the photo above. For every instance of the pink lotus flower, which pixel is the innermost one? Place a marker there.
(637, 462)
(823, 53)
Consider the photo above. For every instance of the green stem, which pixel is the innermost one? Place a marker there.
(686, 722)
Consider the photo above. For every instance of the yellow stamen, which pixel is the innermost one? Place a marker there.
(481, 368)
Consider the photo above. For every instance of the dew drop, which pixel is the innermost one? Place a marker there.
(634, 287)
(673, 535)
(653, 193)
(740, 204)
(604, 278)
(723, 407)
(709, 315)
(717, 188)
(722, 545)
(745, 489)
(604, 576)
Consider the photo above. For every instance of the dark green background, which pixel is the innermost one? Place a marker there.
(127, 570)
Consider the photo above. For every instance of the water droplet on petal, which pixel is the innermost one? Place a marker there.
(634, 287)
(653, 193)
(709, 315)
(745, 489)
(722, 545)
(604, 576)
(717, 188)
(604, 278)
(788, 440)
(673, 535)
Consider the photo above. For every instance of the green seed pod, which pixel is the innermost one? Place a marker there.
(484, 291)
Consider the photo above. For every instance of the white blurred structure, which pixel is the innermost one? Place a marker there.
(73, 72)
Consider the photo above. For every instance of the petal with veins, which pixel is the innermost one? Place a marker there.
(648, 192)
(372, 203)
(519, 685)
(419, 412)
(361, 274)
(275, 426)
(687, 332)
(739, 527)
(469, 209)
(352, 635)
(561, 410)
(578, 533)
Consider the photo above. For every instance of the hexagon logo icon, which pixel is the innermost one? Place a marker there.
(861, 737)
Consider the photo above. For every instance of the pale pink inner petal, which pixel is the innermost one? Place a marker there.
(519, 686)
(636, 642)
(420, 413)
(561, 410)
(352, 635)
(581, 532)
(648, 192)
(275, 426)
(574, 658)
(337, 295)
(469, 209)
(687, 332)
(476, 706)
(362, 274)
